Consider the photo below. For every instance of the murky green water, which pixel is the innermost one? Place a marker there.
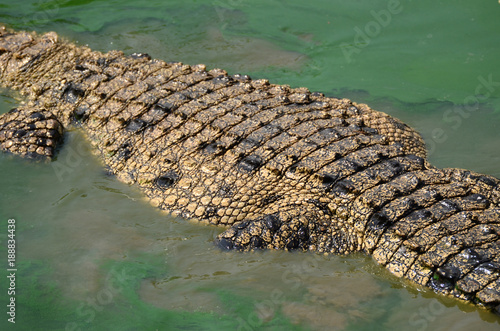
(93, 255)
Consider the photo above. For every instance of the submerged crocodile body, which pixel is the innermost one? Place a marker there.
(283, 168)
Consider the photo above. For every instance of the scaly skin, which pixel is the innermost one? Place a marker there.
(284, 168)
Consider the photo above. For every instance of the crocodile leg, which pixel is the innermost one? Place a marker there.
(436, 227)
(297, 227)
(30, 132)
(266, 232)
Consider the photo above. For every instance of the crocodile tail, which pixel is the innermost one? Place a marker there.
(443, 234)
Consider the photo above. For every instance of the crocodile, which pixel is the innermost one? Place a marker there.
(279, 167)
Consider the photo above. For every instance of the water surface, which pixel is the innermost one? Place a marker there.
(92, 254)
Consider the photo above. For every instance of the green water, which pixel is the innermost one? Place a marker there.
(93, 255)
